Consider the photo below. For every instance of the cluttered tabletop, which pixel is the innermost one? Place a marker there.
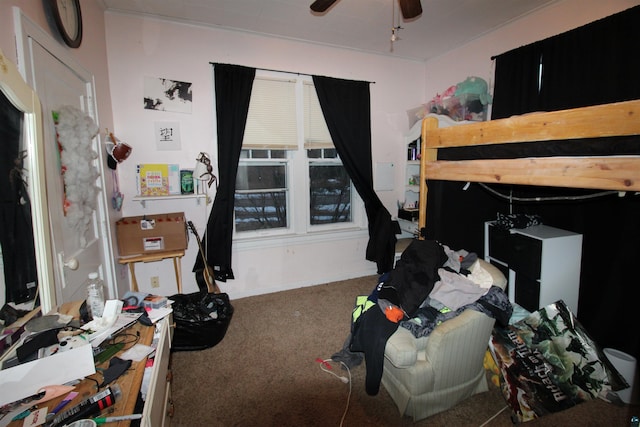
(65, 373)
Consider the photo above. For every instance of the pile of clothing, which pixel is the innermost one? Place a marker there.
(429, 284)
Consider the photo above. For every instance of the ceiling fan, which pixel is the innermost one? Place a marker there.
(410, 8)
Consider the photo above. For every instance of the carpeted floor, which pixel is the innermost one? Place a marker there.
(265, 373)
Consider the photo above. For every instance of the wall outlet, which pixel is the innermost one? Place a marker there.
(155, 281)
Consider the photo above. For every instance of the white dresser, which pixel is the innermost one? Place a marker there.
(158, 408)
(541, 262)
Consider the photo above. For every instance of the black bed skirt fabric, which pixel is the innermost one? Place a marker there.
(201, 320)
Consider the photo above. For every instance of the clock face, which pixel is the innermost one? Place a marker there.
(68, 20)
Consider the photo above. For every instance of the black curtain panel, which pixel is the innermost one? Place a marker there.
(347, 110)
(589, 65)
(516, 81)
(233, 84)
(592, 64)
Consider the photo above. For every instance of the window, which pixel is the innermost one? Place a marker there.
(329, 188)
(261, 199)
(290, 178)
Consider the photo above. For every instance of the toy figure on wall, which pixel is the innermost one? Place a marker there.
(204, 170)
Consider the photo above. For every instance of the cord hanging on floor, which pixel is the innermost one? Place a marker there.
(326, 366)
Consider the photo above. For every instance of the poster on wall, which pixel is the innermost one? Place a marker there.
(167, 136)
(167, 95)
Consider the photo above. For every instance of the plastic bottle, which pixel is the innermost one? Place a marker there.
(95, 295)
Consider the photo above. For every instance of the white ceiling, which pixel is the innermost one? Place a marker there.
(363, 25)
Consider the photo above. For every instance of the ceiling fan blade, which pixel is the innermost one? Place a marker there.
(322, 5)
(410, 8)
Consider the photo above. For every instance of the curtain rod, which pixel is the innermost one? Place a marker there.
(289, 72)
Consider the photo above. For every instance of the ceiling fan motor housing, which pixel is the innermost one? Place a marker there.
(410, 8)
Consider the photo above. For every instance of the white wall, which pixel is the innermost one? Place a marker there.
(139, 46)
(474, 58)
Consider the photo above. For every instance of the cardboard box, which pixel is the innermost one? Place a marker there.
(151, 233)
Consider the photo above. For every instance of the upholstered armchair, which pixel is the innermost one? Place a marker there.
(428, 375)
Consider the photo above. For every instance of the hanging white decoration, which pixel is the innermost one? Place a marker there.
(75, 132)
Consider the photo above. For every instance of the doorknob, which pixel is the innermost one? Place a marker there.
(71, 264)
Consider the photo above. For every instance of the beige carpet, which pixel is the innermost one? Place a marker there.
(264, 373)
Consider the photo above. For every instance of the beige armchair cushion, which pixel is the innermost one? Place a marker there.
(431, 374)
(404, 348)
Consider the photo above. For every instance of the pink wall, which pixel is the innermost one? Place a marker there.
(139, 47)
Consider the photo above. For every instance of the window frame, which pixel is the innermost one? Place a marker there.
(298, 183)
(270, 161)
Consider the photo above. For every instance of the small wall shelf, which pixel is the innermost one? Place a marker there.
(199, 197)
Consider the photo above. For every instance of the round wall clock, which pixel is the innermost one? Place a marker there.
(68, 20)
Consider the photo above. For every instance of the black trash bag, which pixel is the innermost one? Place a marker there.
(201, 320)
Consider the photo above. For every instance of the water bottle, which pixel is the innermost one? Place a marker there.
(95, 295)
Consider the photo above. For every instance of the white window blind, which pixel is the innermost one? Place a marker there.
(271, 122)
(316, 133)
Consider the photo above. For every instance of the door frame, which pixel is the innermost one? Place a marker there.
(27, 32)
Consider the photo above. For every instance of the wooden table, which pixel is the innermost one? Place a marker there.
(129, 382)
(151, 257)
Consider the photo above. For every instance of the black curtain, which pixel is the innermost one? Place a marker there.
(590, 65)
(347, 110)
(16, 231)
(233, 84)
(516, 82)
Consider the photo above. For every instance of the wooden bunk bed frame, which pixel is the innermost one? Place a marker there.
(620, 173)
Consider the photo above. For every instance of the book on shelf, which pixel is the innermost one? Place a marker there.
(158, 179)
(174, 179)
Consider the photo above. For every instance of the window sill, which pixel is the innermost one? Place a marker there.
(250, 243)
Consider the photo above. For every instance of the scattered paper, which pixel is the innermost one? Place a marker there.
(156, 314)
(36, 418)
(26, 379)
(137, 352)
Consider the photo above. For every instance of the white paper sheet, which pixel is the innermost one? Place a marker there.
(26, 379)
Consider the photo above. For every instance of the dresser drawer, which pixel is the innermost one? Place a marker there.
(499, 244)
(527, 292)
(526, 255)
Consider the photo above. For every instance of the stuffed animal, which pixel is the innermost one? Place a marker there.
(474, 86)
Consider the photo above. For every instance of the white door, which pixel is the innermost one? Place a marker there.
(76, 255)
